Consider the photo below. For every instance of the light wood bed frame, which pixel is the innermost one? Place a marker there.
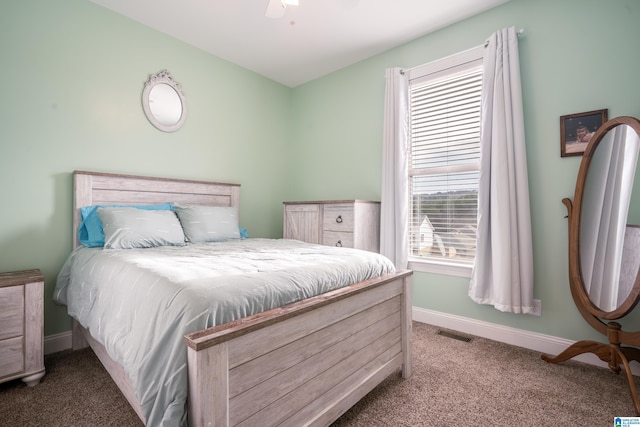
(305, 363)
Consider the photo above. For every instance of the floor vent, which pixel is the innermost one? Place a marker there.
(453, 335)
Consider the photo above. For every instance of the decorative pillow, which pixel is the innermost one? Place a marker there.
(208, 223)
(90, 231)
(128, 228)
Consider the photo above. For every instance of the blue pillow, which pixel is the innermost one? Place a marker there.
(243, 233)
(91, 233)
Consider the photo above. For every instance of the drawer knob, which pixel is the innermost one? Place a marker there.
(339, 219)
(339, 243)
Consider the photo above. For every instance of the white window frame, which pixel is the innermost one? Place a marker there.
(450, 65)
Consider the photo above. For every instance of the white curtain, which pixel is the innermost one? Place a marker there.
(394, 206)
(503, 270)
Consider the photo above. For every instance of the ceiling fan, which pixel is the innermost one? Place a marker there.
(276, 8)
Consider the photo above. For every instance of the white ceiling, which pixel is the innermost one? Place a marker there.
(310, 40)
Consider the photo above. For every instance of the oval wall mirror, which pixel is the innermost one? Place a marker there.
(163, 102)
(604, 245)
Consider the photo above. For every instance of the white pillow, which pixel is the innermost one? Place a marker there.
(128, 228)
(208, 223)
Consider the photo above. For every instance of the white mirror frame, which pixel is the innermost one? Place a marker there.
(163, 77)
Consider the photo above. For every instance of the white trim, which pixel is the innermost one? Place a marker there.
(439, 267)
(466, 59)
(546, 344)
(57, 342)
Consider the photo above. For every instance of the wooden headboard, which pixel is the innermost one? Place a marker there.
(94, 188)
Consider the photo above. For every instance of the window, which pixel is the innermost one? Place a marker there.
(444, 108)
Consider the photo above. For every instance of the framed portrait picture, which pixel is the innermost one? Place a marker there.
(576, 131)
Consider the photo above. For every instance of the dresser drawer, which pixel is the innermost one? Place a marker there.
(11, 356)
(338, 217)
(11, 312)
(337, 238)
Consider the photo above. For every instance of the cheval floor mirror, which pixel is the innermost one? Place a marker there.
(604, 246)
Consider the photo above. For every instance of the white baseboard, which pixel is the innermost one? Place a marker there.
(546, 344)
(57, 342)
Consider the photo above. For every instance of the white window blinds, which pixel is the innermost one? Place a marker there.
(444, 161)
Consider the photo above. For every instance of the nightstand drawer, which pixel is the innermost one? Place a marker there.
(11, 312)
(11, 356)
(338, 217)
(340, 239)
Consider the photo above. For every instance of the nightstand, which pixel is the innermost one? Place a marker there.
(22, 326)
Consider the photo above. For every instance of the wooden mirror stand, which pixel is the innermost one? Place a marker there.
(614, 353)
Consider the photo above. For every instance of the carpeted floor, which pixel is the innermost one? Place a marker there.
(479, 383)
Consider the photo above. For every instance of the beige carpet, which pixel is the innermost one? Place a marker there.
(454, 383)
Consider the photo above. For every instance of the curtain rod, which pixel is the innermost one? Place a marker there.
(519, 33)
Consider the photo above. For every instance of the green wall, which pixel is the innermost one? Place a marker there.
(575, 56)
(73, 75)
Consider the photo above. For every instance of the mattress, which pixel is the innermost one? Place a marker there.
(139, 303)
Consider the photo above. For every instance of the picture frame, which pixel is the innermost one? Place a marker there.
(577, 129)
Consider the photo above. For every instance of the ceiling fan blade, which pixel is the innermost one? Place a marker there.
(275, 9)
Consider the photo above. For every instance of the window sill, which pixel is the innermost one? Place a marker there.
(448, 269)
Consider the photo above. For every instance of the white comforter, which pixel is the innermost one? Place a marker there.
(139, 303)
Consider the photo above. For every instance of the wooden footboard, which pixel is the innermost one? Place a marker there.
(302, 364)
(305, 363)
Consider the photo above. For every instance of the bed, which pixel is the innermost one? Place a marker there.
(302, 363)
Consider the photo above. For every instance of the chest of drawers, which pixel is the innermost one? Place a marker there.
(22, 326)
(346, 223)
